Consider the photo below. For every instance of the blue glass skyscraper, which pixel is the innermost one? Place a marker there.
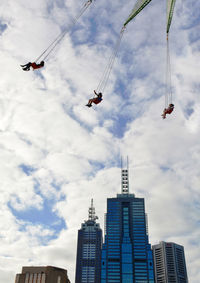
(88, 260)
(126, 254)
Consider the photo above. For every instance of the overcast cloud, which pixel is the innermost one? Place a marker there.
(56, 154)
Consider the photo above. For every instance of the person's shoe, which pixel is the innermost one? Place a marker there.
(88, 105)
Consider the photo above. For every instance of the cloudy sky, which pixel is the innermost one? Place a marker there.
(57, 154)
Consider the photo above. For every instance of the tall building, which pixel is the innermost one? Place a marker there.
(88, 259)
(42, 274)
(169, 263)
(126, 254)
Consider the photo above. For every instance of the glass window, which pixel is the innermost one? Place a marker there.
(127, 258)
(140, 263)
(140, 256)
(127, 278)
(126, 248)
(127, 268)
(113, 263)
(151, 274)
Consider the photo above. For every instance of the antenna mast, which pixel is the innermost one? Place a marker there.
(124, 176)
(91, 212)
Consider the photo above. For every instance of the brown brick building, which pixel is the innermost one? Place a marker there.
(42, 274)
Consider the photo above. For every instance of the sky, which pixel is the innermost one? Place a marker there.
(57, 154)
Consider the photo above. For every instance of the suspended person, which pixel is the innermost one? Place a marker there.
(95, 100)
(34, 65)
(168, 110)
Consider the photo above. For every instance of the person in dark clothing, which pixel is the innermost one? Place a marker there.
(34, 65)
(95, 100)
(168, 110)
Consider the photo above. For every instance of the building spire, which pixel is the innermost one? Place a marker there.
(91, 212)
(124, 176)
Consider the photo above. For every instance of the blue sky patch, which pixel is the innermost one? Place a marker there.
(27, 169)
(189, 111)
(3, 27)
(120, 126)
(164, 168)
(44, 217)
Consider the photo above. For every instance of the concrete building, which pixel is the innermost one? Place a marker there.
(88, 259)
(169, 263)
(42, 274)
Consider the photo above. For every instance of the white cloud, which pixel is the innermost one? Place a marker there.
(73, 152)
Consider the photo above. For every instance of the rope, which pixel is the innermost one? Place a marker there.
(58, 39)
(104, 79)
(168, 94)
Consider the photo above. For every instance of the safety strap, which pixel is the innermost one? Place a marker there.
(168, 92)
(58, 39)
(104, 79)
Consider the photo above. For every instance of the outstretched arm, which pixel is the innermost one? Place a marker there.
(95, 92)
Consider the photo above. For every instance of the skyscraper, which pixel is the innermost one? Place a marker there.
(126, 254)
(88, 260)
(42, 274)
(169, 263)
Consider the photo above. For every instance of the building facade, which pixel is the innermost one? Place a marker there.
(88, 259)
(42, 274)
(126, 254)
(169, 263)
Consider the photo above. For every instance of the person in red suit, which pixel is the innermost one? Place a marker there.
(34, 65)
(95, 100)
(168, 110)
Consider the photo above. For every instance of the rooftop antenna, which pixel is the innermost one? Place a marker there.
(91, 212)
(124, 176)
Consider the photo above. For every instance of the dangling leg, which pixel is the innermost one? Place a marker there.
(164, 114)
(89, 103)
(26, 67)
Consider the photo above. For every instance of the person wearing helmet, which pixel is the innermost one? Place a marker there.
(95, 100)
(34, 65)
(168, 110)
